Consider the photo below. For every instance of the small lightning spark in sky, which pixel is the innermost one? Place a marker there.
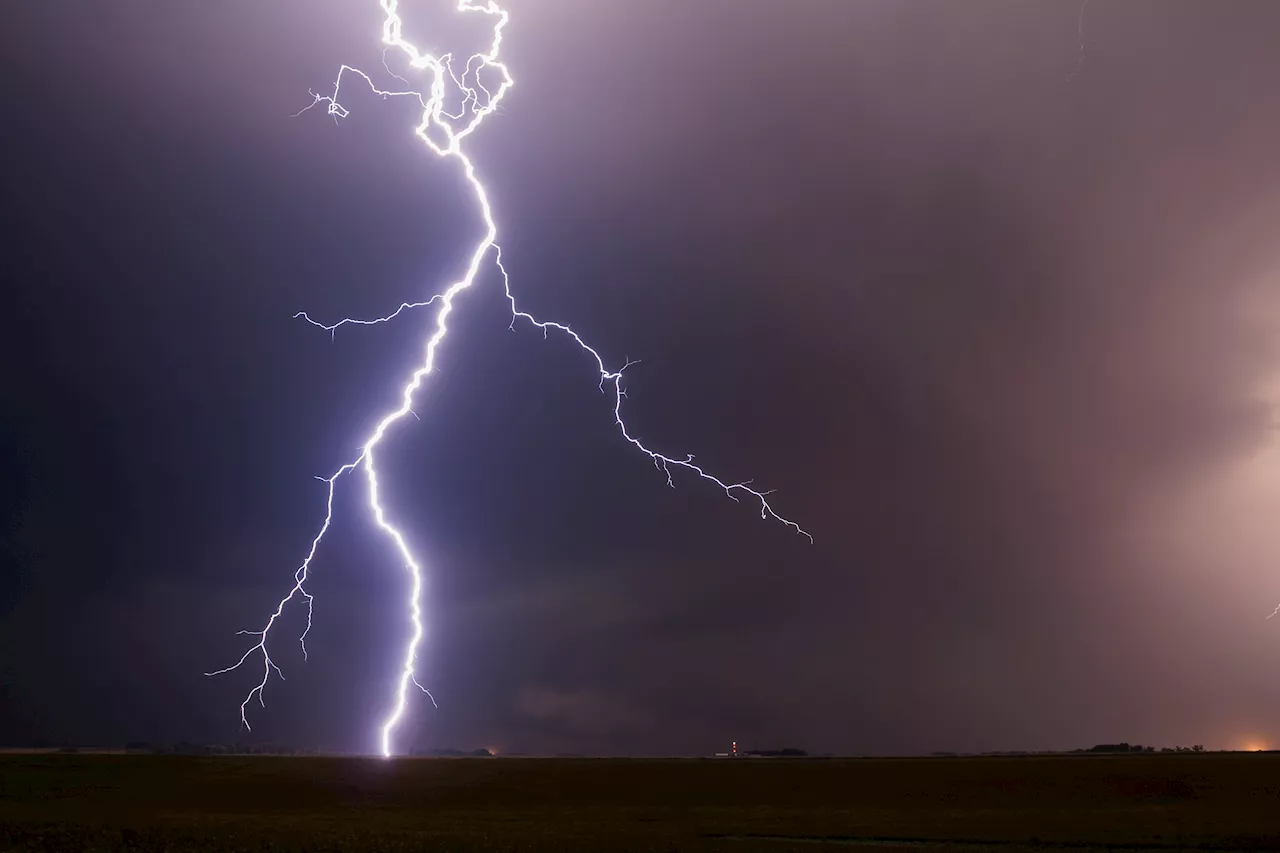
(443, 133)
(1084, 6)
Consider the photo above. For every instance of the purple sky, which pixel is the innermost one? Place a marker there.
(996, 318)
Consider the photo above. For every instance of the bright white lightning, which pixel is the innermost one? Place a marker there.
(478, 102)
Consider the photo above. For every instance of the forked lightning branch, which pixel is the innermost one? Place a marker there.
(476, 87)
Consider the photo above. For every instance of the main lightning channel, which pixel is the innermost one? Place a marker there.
(478, 102)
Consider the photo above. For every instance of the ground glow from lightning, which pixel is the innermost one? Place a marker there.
(478, 102)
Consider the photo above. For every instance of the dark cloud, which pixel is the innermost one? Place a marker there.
(994, 316)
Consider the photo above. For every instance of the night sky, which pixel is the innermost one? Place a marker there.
(997, 318)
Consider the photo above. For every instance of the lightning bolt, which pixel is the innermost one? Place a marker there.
(443, 133)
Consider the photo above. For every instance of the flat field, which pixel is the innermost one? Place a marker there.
(169, 803)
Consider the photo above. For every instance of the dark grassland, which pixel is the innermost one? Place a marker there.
(170, 803)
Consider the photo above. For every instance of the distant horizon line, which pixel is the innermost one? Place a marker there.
(194, 749)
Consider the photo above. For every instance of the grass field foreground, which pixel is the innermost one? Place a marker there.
(169, 803)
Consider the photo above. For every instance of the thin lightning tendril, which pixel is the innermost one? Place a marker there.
(332, 330)
(1084, 6)
(450, 129)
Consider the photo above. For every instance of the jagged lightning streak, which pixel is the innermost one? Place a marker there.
(478, 102)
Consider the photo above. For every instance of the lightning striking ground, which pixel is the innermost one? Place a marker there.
(443, 133)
